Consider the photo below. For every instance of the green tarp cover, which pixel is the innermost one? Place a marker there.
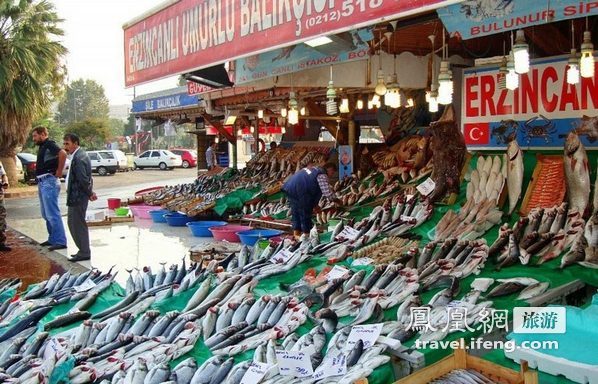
(234, 200)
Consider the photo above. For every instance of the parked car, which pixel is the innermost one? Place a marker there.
(120, 157)
(28, 163)
(160, 158)
(188, 156)
(103, 163)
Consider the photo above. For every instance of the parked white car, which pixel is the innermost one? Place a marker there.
(119, 156)
(158, 158)
(103, 164)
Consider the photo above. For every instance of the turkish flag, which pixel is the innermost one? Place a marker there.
(477, 134)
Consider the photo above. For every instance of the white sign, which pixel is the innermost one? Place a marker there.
(297, 364)
(426, 187)
(367, 333)
(348, 233)
(255, 373)
(336, 273)
(281, 257)
(85, 286)
(331, 366)
(539, 320)
(362, 261)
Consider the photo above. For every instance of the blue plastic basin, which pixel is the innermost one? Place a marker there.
(202, 228)
(251, 236)
(158, 215)
(176, 219)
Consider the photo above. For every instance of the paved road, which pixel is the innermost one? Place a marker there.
(121, 185)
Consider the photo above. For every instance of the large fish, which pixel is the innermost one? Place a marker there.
(577, 173)
(514, 173)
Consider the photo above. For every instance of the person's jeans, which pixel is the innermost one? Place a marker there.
(49, 190)
(301, 212)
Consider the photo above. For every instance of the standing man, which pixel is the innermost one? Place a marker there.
(304, 190)
(3, 246)
(79, 191)
(50, 163)
(211, 156)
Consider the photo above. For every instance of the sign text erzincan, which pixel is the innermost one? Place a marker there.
(540, 112)
(192, 34)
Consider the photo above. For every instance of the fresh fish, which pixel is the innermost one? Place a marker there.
(577, 251)
(200, 294)
(505, 289)
(514, 174)
(533, 291)
(30, 320)
(577, 173)
(66, 319)
(512, 254)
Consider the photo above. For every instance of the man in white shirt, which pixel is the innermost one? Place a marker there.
(211, 156)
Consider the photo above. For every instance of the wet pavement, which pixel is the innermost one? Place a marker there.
(26, 260)
(128, 246)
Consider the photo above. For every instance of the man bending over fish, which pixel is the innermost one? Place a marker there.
(304, 190)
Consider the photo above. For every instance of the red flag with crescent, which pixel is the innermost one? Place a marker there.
(477, 133)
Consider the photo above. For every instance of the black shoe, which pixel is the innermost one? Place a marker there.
(45, 244)
(56, 247)
(5, 248)
(77, 257)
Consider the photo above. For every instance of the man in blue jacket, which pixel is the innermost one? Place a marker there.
(304, 190)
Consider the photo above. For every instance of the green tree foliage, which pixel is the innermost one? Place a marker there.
(93, 133)
(83, 99)
(117, 127)
(31, 73)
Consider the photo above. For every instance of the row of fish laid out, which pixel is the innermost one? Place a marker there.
(386, 250)
(487, 180)
(383, 220)
(471, 222)
(9, 285)
(545, 234)
(265, 208)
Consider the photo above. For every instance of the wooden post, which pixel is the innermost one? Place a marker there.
(234, 143)
(256, 136)
(352, 140)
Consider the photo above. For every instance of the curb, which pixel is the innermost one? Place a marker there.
(16, 195)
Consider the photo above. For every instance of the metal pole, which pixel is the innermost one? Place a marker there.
(235, 146)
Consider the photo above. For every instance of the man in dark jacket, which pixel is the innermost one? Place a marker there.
(304, 190)
(79, 191)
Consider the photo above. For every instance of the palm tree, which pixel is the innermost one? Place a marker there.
(31, 71)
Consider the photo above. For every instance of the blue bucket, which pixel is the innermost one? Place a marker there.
(202, 228)
(251, 236)
(176, 219)
(158, 215)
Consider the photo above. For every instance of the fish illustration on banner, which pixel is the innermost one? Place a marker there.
(540, 113)
(301, 57)
(474, 18)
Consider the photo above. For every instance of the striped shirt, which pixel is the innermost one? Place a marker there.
(324, 185)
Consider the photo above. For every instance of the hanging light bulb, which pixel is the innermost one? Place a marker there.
(433, 103)
(331, 107)
(370, 104)
(283, 130)
(410, 103)
(359, 104)
(375, 99)
(502, 74)
(344, 107)
(521, 53)
(445, 84)
(252, 129)
(302, 111)
(512, 78)
(380, 86)
(573, 70)
(586, 66)
(216, 139)
(260, 113)
(293, 112)
(283, 112)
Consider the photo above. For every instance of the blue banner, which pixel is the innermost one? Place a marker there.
(165, 102)
(475, 18)
(301, 57)
(345, 161)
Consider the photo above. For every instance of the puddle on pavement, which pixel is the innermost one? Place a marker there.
(25, 262)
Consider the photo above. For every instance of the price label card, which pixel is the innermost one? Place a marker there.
(349, 233)
(85, 286)
(255, 373)
(331, 366)
(281, 257)
(367, 333)
(336, 273)
(362, 261)
(296, 364)
(426, 187)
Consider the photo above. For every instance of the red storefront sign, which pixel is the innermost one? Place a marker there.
(194, 34)
(264, 130)
(196, 89)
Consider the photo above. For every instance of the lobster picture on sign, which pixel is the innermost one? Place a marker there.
(539, 113)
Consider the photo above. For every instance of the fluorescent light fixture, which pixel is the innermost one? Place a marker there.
(322, 40)
(230, 120)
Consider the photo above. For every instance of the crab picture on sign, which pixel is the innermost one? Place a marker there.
(540, 113)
